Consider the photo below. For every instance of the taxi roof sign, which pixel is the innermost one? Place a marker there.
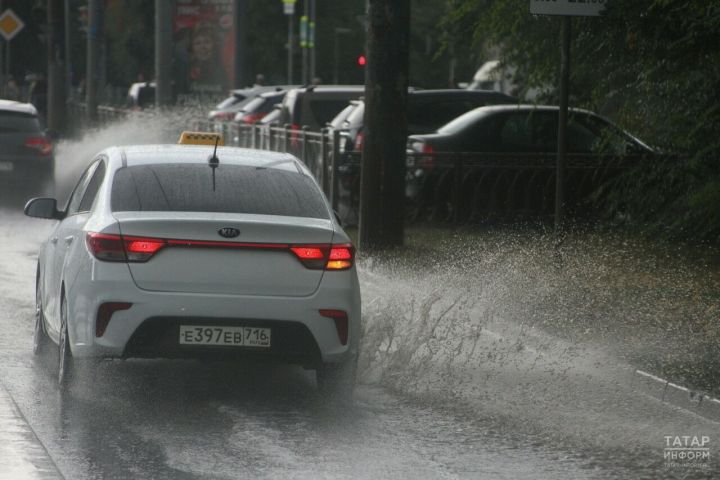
(201, 138)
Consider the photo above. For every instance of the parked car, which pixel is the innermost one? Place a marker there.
(225, 111)
(155, 260)
(141, 95)
(315, 106)
(272, 117)
(26, 149)
(426, 111)
(259, 106)
(527, 129)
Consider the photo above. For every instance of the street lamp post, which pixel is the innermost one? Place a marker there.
(289, 11)
(338, 31)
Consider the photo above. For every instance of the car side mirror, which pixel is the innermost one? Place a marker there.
(42, 208)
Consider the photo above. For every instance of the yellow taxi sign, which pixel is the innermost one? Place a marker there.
(201, 138)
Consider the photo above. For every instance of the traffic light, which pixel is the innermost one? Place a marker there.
(361, 60)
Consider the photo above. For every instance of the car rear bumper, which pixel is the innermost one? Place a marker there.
(157, 337)
(150, 327)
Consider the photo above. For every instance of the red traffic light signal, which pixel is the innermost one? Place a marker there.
(361, 60)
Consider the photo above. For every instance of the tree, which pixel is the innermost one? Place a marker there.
(382, 182)
(651, 65)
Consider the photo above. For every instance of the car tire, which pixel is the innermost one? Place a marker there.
(336, 381)
(65, 360)
(40, 338)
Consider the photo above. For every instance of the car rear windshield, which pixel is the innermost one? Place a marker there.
(11, 122)
(325, 109)
(238, 189)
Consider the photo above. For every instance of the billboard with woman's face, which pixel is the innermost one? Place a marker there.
(203, 46)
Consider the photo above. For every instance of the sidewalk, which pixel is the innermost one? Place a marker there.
(22, 456)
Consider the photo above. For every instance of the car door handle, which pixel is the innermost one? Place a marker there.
(69, 240)
(53, 240)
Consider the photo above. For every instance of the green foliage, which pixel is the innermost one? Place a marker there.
(653, 66)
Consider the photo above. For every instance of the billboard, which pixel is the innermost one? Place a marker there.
(203, 46)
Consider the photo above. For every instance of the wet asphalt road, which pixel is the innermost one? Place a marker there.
(185, 419)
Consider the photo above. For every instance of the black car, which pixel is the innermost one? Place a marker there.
(426, 111)
(315, 106)
(527, 129)
(26, 150)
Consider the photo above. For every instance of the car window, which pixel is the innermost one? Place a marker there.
(253, 104)
(464, 121)
(607, 139)
(229, 102)
(238, 189)
(324, 110)
(79, 191)
(516, 133)
(428, 116)
(92, 189)
(12, 122)
(545, 128)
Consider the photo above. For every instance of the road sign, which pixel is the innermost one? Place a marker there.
(289, 7)
(580, 8)
(10, 24)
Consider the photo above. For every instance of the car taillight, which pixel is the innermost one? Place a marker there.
(222, 116)
(41, 144)
(105, 313)
(341, 257)
(359, 141)
(117, 248)
(251, 118)
(341, 323)
(325, 257)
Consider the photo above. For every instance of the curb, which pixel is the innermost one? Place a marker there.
(677, 395)
(22, 455)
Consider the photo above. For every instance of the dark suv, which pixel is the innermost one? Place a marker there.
(313, 106)
(26, 151)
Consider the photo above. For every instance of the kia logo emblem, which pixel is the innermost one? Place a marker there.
(229, 232)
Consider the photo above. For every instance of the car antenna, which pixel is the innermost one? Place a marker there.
(214, 161)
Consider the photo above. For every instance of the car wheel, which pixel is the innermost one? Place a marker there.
(65, 360)
(337, 380)
(40, 338)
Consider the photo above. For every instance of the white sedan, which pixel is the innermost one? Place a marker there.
(172, 251)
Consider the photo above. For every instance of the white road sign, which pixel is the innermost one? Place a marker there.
(582, 8)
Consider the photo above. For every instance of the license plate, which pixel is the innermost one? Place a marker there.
(6, 166)
(224, 336)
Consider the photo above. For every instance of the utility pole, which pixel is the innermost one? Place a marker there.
(55, 75)
(163, 53)
(289, 11)
(240, 77)
(304, 38)
(562, 124)
(68, 49)
(311, 39)
(3, 79)
(95, 36)
(382, 183)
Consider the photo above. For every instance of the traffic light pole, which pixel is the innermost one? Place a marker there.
(92, 76)
(562, 125)
(55, 75)
(163, 53)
